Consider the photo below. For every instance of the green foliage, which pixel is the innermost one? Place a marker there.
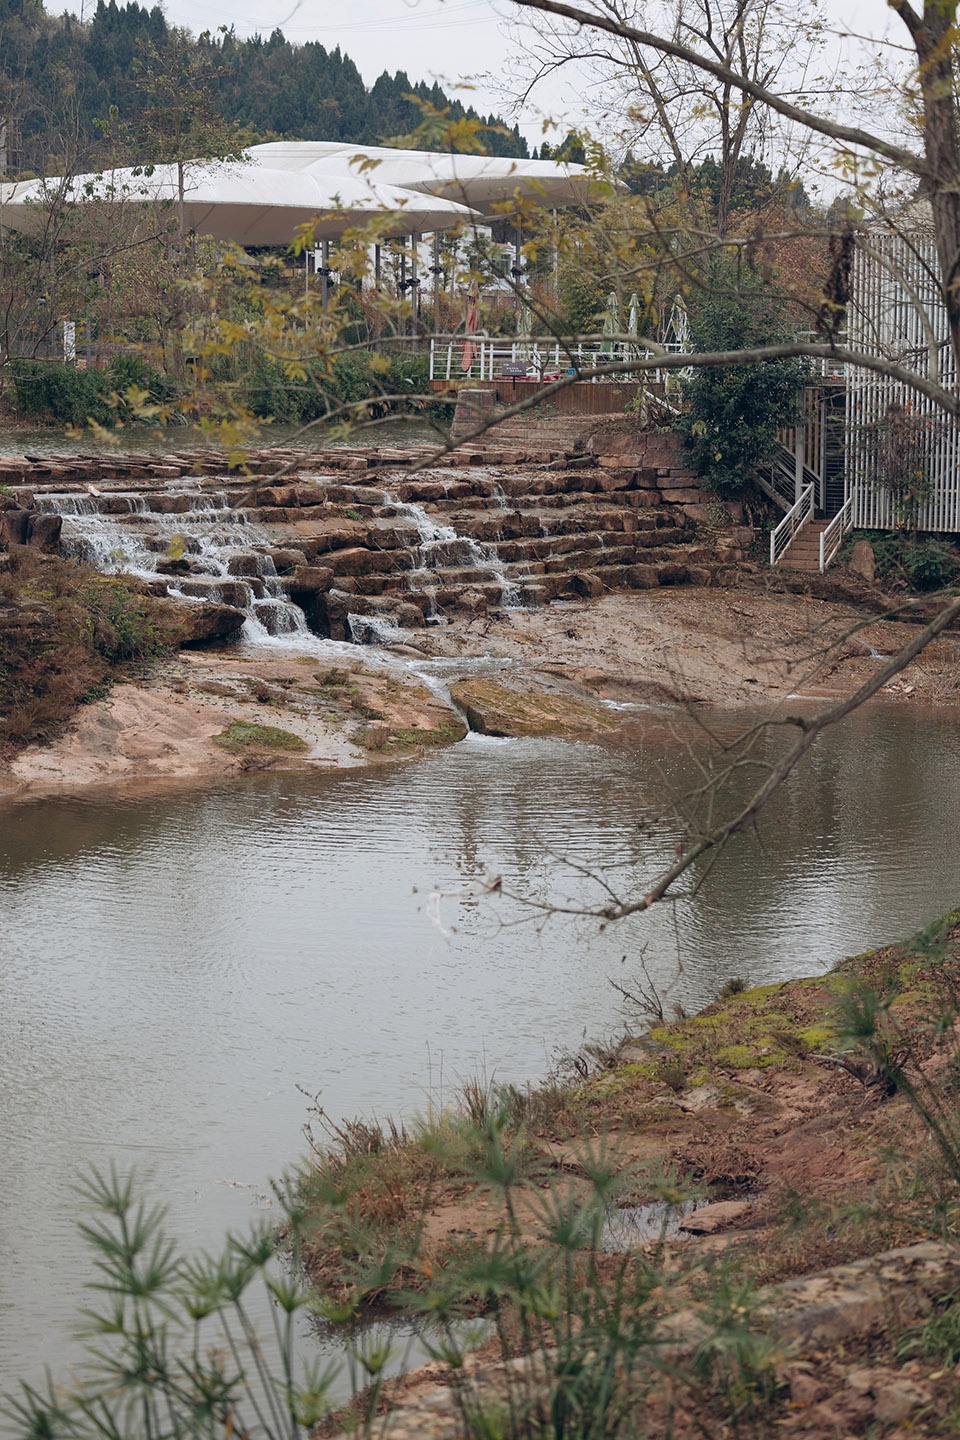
(246, 735)
(921, 562)
(930, 564)
(582, 300)
(91, 627)
(939, 1337)
(52, 391)
(268, 85)
(178, 1354)
(353, 378)
(733, 412)
(122, 625)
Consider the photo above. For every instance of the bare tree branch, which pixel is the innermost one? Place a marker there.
(809, 729)
(808, 119)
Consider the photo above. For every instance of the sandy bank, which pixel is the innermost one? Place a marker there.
(167, 727)
(561, 666)
(726, 647)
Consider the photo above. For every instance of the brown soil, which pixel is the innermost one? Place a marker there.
(165, 728)
(716, 646)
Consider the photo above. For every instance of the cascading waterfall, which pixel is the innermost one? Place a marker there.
(127, 532)
(104, 530)
(442, 545)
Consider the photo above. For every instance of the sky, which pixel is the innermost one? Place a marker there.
(452, 41)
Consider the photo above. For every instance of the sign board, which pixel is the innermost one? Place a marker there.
(513, 370)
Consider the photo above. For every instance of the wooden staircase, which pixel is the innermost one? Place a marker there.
(803, 552)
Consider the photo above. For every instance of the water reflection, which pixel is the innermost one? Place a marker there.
(173, 967)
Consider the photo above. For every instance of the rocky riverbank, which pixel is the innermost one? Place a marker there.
(554, 582)
(775, 1211)
(574, 669)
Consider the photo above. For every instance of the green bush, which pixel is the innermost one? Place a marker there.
(351, 380)
(930, 564)
(53, 391)
(734, 412)
(922, 562)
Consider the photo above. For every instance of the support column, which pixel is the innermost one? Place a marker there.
(325, 272)
(436, 282)
(798, 460)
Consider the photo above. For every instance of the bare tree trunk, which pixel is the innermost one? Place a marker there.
(934, 38)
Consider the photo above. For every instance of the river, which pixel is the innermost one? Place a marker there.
(174, 966)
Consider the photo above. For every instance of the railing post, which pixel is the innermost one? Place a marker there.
(798, 459)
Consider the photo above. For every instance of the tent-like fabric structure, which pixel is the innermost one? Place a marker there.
(246, 202)
(262, 199)
(479, 181)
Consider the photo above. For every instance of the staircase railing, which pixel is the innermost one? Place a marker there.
(832, 537)
(791, 524)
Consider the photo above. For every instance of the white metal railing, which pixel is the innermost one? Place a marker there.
(831, 538)
(483, 357)
(825, 366)
(791, 524)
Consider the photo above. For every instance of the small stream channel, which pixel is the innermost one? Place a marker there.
(173, 966)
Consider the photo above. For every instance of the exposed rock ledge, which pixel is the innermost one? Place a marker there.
(167, 729)
(562, 666)
(843, 1305)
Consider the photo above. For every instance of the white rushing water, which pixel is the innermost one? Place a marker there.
(442, 545)
(214, 536)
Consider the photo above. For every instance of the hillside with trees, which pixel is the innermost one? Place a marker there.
(70, 91)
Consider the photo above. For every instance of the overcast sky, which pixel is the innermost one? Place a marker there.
(447, 40)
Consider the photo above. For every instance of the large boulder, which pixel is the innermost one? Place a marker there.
(19, 526)
(493, 709)
(203, 623)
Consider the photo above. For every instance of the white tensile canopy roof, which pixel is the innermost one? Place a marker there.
(263, 199)
(479, 181)
(247, 202)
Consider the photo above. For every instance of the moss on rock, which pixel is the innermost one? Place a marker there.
(243, 735)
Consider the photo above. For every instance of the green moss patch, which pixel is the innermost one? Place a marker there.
(447, 733)
(244, 735)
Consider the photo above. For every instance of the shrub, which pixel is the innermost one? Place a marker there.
(65, 636)
(930, 564)
(53, 391)
(353, 378)
(922, 562)
(734, 412)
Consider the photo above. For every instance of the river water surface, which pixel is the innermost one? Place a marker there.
(173, 967)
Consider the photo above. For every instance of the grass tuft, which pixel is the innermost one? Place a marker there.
(243, 735)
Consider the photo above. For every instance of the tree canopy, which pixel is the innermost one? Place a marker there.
(59, 77)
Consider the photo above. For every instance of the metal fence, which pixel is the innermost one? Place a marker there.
(487, 357)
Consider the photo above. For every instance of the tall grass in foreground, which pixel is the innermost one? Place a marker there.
(173, 1349)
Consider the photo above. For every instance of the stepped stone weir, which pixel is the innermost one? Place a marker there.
(351, 543)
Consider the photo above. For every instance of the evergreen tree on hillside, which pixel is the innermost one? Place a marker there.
(58, 77)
